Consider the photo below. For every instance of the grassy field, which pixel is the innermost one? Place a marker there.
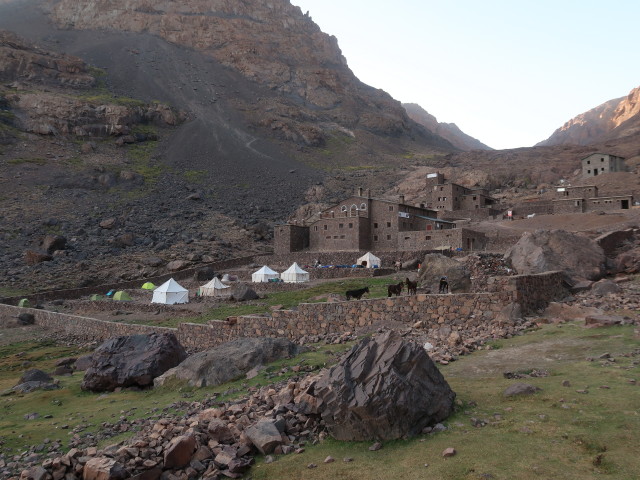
(289, 299)
(587, 430)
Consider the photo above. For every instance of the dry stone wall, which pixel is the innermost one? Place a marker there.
(459, 311)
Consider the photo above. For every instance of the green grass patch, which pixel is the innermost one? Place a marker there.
(13, 292)
(195, 176)
(70, 407)
(289, 299)
(31, 160)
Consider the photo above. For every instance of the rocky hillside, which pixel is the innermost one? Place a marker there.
(450, 131)
(614, 119)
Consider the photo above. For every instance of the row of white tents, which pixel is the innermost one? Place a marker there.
(171, 292)
(294, 274)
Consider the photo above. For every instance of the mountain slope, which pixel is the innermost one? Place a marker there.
(450, 131)
(615, 119)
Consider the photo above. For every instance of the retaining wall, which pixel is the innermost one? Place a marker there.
(463, 311)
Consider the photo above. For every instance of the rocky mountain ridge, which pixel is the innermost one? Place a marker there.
(615, 119)
(450, 131)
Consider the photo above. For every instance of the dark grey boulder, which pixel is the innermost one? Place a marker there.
(35, 375)
(26, 319)
(384, 389)
(51, 243)
(520, 389)
(605, 287)
(242, 293)
(228, 361)
(132, 361)
(204, 274)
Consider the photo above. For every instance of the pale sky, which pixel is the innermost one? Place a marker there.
(507, 72)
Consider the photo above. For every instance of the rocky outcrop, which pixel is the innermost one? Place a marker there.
(28, 63)
(549, 250)
(132, 361)
(228, 361)
(384, 389)
(613, 119)
(450, 131)
(271, 43)
(435, 266)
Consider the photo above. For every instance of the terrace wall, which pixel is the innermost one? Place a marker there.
(462, 311)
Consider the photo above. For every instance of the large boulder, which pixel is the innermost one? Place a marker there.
(228, 361)
(384, 389)
(435, 266)
(132, 361)
(51, 243)
(549, 250)
(242, 293)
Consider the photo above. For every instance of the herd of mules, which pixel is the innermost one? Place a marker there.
(396, 289)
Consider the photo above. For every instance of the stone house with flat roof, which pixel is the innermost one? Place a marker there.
(601, 163)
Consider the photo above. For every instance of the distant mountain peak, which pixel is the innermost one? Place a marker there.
(449, 131)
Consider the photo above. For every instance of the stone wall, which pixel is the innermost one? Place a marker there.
(459, 311)
(463, 311)
(82, 328)
(532, 292)
(537, 207)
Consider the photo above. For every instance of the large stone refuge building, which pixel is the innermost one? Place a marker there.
(363, 223)
(600, 163)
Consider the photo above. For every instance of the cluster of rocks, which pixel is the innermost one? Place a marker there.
(384, 378)
(481, 266)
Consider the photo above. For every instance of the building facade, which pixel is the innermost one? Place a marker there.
(443, 196)
(361, 223)
(601, 163)
(585, 199)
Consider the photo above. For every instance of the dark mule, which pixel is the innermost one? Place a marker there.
(412, 287)
(395, 289)
(357, 294)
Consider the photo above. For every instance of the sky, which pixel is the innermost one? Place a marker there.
(508, 73)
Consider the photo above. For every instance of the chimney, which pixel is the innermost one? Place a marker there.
(359, 191)
(401, 198)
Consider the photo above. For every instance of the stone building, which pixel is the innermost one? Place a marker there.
(363, 223)
(600, 163)
(585, 198)
(446, 197)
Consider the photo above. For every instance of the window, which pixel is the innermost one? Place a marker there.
(589, 171)
(363, 206)
(341, 225)
(328, 237)
(326, 227)
(388, 237)
(315, 228)
(341, 236)
(343, 208)
(602, 159)
(407, 238)
(351, 225)
(602, 169)
(588, 162)
(375, 225)
(388, 224)
(391, 208)
(375, 238)
(428, 237)
(335, 236)
(474, 197)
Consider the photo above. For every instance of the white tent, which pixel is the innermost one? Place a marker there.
(294, 274)
(170, 292)
(371, 259)
(214, 288)
(263, 275)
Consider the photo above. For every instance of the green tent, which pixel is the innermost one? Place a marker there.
(122, 296)
(148, 286)
(24, 303)
(95, 297)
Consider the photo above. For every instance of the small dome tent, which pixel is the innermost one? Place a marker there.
(170, 292)
(264, 275)
(294, 274)
(214, 288)
(369, 260)
(148, 286)
(121, 296)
